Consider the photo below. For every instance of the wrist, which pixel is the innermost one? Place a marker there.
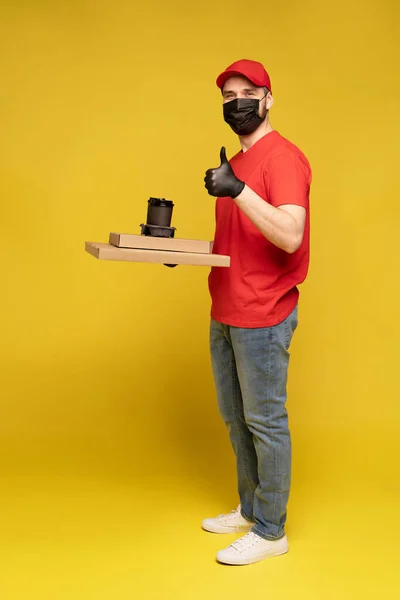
(239, 190)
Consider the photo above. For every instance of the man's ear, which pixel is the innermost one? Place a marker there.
(269, 101)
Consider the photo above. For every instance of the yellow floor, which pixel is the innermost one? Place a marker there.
(113, 527)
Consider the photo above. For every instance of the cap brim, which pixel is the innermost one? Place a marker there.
(221, 79)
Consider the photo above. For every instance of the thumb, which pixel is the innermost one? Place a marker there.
(222, 155)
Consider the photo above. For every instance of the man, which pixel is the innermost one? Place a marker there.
(262, 223)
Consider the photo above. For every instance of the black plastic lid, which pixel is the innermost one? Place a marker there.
(160, 202)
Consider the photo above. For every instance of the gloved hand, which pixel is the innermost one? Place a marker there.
(223, 181)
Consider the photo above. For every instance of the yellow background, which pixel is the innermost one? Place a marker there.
(112, 450)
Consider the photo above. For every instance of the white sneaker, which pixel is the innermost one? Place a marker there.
(230, 523)
(252, 548)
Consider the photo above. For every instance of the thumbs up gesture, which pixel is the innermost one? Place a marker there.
(222, 181)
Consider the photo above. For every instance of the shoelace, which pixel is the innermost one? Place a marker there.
(229, 516)
(246, 542)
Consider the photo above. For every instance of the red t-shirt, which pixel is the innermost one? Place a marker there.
(259, 289)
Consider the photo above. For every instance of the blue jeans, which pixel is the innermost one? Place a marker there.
(250, 368)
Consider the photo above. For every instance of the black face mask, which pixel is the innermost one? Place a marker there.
(241, 114)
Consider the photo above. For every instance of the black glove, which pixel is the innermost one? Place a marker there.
(223, 181)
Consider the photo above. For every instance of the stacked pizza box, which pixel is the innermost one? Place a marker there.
(146, 248)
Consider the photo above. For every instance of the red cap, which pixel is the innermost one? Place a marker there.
(252, 70)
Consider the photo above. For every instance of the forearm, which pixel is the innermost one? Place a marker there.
(278, 226)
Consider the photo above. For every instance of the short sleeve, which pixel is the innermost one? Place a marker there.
(287, 179)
